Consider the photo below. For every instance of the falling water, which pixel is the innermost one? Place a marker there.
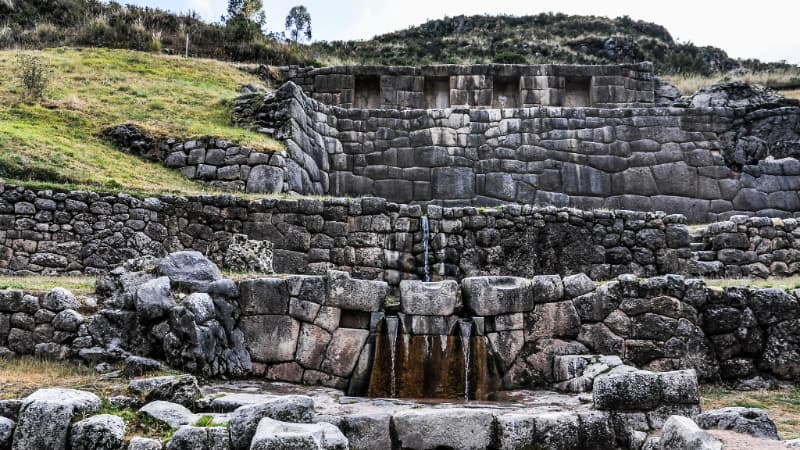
(392, 324)
(425, 246)
(466, 335)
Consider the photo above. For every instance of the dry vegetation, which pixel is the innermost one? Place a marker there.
(78, 285)
(788, 283)
(21, 376)
(782, 405)
(787, 80)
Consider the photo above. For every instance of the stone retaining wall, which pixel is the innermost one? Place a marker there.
(320, 329)
(48, 232)
(706, 163)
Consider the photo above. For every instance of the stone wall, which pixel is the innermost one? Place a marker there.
(321, 329)
(481, 86)
(222, 164)
(707, 163)
(48, 232)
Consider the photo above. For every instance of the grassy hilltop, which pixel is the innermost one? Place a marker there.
(57, 140)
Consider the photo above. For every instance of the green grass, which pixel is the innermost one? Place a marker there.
(136, 423)
(788, 283)
(782, 405)
(79, 285)
(57, 140)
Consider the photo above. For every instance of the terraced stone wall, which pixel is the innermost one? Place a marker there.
(705, 163)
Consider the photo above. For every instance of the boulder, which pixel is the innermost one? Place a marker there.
(6, 432)
(101, 432)
(45, 417)
(143, 443)
(248, 255)
(245, 419)
(350, 293)
(136, 366)
(67, 320)
(429, 429)
(752, 421)
(681, 433)
(181, 389)
(547, 288)
(172, 414)
(59, 299)
(622, 390)
(201, 306)
(154, 299)
(272, 434)
(369, 431)
(428, 299)
(200, 438)
(577, 285)
(189, 270)
(496, 295)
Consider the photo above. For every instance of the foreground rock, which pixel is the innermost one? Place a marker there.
(444, 428)
(181, 389)
(101, 432)
(245, 420)
(276, 435)
(200, 438)
(6, 433)
(45, 417)
(681, 433)
(752, 421)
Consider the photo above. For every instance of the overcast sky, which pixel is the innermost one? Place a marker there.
(764, 29)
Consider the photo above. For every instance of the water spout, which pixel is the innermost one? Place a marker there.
(426, 247)
(392, 324)
(466, 337)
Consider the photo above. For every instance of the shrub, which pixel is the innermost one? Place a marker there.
(34, 74)
(509, 57)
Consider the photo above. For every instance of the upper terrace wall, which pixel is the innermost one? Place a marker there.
(477, 86)
(705, 163)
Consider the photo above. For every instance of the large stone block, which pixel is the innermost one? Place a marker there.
(45, 417)
(350, 293)
(264, 296)
(270, 338)
(496, 295)
(344, 350)
(272, 434)
(428, 299)
(681, 433)
(452, 183)
(430, 429)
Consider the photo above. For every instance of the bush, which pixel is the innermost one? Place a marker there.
(509, 57)
(34, 74)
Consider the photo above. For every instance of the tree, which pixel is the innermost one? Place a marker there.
(298, 23)
(245, 20)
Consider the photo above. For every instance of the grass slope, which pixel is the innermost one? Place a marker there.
(92, 89)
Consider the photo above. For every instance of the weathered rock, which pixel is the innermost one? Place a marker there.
(547, 288)
(248, 255)
(343, 351)
(45, 417)
(368, 431)
(752, 421)
(245, 420)
(430, 429)
(68, 320)
(190, 270)
(200, 438)
(6, 432)
(101, 432)
(154, 299)
(681, 433)
(143, 443)
(360, 295)
(272, 434)
(577, 285)
(59, 299)
(492, 296)
(636, 390)
(271, 338)
(181, 389)
(136, 366)
(428, 299)
(170, 413)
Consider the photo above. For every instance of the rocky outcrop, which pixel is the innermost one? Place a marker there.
(752, 421)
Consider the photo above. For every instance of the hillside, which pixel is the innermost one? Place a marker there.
(58, 140)
(544, 38)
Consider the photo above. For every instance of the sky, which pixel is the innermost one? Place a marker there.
(766, 29)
